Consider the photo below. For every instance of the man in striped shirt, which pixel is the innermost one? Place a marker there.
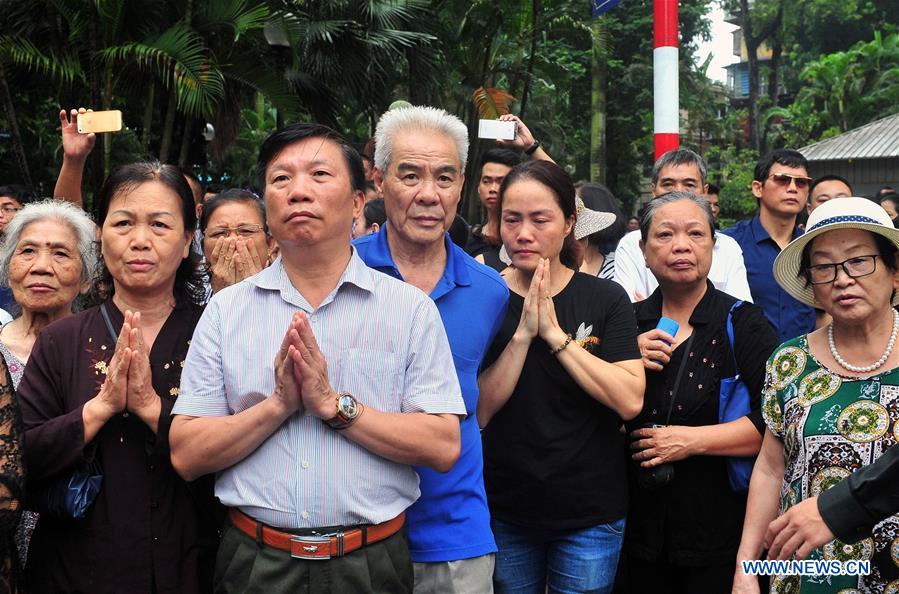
(420, 155)
(313, 440)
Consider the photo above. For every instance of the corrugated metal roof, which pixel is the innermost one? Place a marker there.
(877, 140)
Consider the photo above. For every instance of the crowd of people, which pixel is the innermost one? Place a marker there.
(330, 382)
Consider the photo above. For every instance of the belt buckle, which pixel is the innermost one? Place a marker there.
(308, 547)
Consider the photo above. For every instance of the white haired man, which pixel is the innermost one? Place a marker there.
(420, 157)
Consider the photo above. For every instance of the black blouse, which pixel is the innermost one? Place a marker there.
(147, 530)
(697, 519)
(12, 481)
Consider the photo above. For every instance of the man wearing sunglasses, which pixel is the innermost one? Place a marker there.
(781, 185)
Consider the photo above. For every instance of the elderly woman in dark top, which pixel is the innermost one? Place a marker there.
(100, 385)
(235, 237)
(46, 258)
(683, 532)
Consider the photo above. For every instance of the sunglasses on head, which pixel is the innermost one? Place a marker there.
(784, 179)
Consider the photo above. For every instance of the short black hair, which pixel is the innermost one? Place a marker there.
(785, 157)
(828, 177)
(20, 194)
(280, 139)
(374, 212)
(891, 196)
(713, 189)
(599, 198)
(506, 157)
(226, 197)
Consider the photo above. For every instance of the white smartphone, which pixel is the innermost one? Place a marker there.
(99, 121)
(497, 129)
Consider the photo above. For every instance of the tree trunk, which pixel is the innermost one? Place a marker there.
(599, 73)
(186, 138)
(96, 157)
(148, 119)
(752, 45)
(535, 9)
(168, 127)
(18, 147)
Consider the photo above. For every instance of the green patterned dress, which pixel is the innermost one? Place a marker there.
(830, 426)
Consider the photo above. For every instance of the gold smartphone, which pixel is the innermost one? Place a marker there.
(99, 121)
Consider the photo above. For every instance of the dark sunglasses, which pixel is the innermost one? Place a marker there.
(784, 180)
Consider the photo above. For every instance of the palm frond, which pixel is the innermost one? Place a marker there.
(492, 102)
(390, 14)
(20, 51)
(234, 15)
(180, 59)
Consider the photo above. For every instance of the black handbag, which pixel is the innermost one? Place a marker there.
(71, 496)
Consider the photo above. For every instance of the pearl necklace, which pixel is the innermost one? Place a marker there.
(866, 368)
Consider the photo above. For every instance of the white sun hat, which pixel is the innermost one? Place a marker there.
(588, 222)
(840, 213)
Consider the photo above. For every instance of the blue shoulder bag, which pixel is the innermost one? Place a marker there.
(733, 403)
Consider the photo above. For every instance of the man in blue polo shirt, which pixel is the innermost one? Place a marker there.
(420, 158)
(781, 185)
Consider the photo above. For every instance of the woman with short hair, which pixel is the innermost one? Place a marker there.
(100, 386)
(236, 240)
(47, 258)
(685, 516)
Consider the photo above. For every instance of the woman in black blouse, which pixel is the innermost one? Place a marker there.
(683, 534)
(101, 385)
(562, 373)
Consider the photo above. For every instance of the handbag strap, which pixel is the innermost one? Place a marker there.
(112, 333)
(730, 335)
(680, 374)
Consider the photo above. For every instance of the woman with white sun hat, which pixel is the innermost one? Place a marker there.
(831, 399)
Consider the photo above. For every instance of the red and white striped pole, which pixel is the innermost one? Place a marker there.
(666, 90)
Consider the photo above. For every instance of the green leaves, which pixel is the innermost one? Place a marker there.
(180, 59)
(19, 50)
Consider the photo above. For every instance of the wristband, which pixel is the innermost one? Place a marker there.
(533, 148)
(558, 350)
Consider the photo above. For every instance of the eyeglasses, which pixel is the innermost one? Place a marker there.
(10, 210)
(784, 180)
(240, 231)
(820, 274)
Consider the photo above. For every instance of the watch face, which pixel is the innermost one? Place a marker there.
(348, 407)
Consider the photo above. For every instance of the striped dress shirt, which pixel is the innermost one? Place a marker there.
(384, 343)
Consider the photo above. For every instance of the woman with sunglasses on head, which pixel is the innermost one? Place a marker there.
(235, 237)
(562, 374)
(831, 398)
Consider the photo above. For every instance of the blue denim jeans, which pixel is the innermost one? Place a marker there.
(556, 561)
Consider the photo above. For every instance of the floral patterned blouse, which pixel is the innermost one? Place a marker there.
(830, 426)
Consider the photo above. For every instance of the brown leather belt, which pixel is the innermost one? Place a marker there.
(315, 547)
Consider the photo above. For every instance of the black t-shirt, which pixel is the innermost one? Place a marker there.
(554, 456)
(697, 519)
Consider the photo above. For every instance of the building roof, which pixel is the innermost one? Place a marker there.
(877, 140)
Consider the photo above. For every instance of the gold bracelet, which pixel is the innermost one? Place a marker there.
(555, 352)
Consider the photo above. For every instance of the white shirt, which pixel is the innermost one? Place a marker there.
(728, 273)
(383, 342)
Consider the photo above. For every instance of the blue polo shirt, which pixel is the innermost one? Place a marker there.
(789, 317)
(451, 521)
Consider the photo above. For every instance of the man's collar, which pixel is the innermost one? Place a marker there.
(455, 273)
(274, 278)
(760, 234)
